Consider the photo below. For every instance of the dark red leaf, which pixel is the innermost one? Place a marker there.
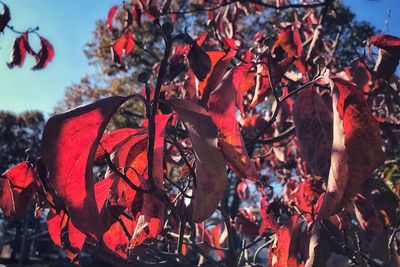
(199, 62)
(7, 204)
(17, 186)
(210, 164)
(313, 121)
(176, 66)
(243, 190)
(389, 55)
(110, 18)
(68, 148)
(223, 112)
(362, 136)
(389, 43)
(5, 17)
(356, 149)
(18, 53)
(45, 55)
(245, 224)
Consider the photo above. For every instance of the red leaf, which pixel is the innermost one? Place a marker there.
(389, 55)
(356, 149)
(7, 204)
(360, 75)
(69, 145)
(285, 248)
(64, 234)
(223, 112)
(245, 225)
(313, 121)
(102, 191)
(362, 136)
(110, 141)
(210, 170)
(219, 63)
(338, 172)
(111, 14)
(151, 219)
(243, 190)
(45, 55)
(18, 53)
(5, 17)
(116, 238)
(122, 47)
(17, 189)
(389, 43)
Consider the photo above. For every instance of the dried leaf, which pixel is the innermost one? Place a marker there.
(45, 55)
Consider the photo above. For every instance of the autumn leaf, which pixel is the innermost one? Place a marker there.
(5, 17)
(243, 190)
(18, 53)
(313, 123)
(45, 55)
(68, 148)
(219, 63)
(211, 177)
(199, 62)
(338, 172)
(17, 186)
(64, 234)
(362, 136)
(356, 149)
(122, 47)
(223, 112)
(284, 249)
(109, 141)
(151, 219)
(389, 54)
(110, 16)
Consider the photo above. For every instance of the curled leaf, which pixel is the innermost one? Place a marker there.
(5, 17)
(122, 47)
(389, 55)
(211, 177)
(110, 16)
(18, 53)
(45, 55)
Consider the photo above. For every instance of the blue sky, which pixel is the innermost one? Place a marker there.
(68, 25)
